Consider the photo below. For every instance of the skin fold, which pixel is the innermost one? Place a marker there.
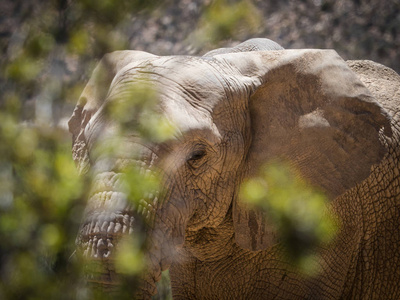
(235, 109)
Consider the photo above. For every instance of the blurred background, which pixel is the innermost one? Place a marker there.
(48, 51)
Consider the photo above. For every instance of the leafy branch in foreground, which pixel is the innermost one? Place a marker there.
(299, 212)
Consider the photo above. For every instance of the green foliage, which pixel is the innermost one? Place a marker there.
(299, 212)
(42, 197)
(40, 207)
(129, 258)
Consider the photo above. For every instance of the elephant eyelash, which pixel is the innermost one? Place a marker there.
(195, 159)
(197, 155)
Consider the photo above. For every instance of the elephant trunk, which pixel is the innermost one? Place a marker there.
(110, 215)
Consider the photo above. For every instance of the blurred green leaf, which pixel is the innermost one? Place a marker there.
(300, 212)
(23, 69)
(80, 42)
(40, 44)
(129, 258)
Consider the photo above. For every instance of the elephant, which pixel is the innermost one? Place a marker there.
(234, 109)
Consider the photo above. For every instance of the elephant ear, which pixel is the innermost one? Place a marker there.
(93, 97)
(306, 107)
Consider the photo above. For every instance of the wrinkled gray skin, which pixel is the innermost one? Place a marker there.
(337, 122)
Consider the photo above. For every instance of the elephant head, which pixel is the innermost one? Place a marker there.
(234, 109)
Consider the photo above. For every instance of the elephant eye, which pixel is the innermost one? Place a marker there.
(195, 158)
(197, 154)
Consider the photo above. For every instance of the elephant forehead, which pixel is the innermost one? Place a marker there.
(186, 117)
(193, 92)
(202, 82)
(194, 89)
(189, 88)
(192, 77)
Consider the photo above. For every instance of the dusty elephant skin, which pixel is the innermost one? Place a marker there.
(337, 122)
